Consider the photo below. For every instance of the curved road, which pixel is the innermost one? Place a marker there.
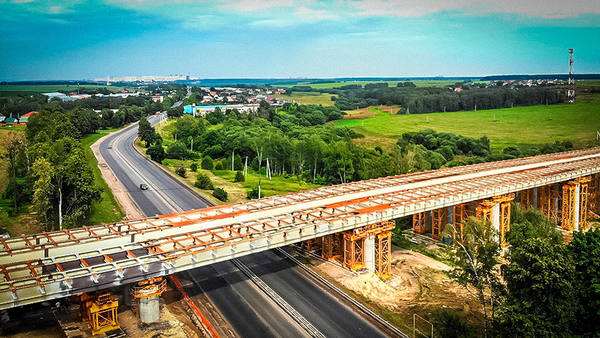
(249, 311)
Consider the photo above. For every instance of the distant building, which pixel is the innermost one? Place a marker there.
(157, 98)
(25, 117)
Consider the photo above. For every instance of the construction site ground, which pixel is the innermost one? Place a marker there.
(419, 285)
(175, 321)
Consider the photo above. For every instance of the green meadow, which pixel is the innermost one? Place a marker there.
(510, 126)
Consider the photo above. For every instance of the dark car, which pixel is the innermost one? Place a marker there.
(144, 186)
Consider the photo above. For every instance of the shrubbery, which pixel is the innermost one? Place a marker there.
(203, 182)
(220, 194)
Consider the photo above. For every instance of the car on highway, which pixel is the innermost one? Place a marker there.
(144, 186)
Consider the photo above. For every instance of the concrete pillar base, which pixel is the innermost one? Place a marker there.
(369, 252)
(149, 309)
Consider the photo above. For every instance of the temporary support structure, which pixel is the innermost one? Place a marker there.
(568, 213)
(460, 214)
(484, 210)
(99, 310)
(439, 217)
(487, 210)
(545, 201)
(354, 256)
(504, 220)
(383, 254)
(526, 198)
(331, 246)
(311, 244)
(583, 200)
(419, 220)
(355, 248)
(147, 298)
(594, 194)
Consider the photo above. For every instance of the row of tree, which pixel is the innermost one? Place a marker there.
(542, 287)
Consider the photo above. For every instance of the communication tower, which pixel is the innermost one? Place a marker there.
(571, 90)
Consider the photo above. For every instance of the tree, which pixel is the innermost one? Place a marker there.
(448, 323)
(540, 300)
(207, 163)
(146, 132)
(220, 194)
(194, 166)
(477, 260)
(178, 150)
(203, 182)
(585, 249)
(239, 177)
(156, 152)
(43, 188)
(15, 145)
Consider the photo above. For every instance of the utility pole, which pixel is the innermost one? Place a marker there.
(571, 90)
(246, 167)
(232, 160)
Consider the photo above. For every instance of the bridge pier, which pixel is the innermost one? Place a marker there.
(575, 204)
(147, 293)
(369, 247)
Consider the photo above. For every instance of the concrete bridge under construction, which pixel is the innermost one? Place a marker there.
(351, 221)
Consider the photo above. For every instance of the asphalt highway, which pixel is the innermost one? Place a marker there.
(250, 312)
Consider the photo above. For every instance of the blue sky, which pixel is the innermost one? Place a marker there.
(73, 39)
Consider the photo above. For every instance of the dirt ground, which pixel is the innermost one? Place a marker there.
(129, 207)
(419, 284)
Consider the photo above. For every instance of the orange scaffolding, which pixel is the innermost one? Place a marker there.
(594, 194)
(439, 217)
(460, 214)
(419, 222)
(484, 211)
(99, 310)
(383, 254)
(354, 256)
(526, 198)
(545, 201)
(354, 247)
(568, 206)
(331, 246)
(311, 244)
(583, 201)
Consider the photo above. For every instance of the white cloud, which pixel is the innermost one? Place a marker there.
(256, 5)
(532, 8)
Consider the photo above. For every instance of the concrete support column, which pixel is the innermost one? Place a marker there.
(535, 198)
(149, 309)
(496, 219)
(369, 252)
(577, 206)
(450, 219)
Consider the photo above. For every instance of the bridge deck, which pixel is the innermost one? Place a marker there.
(57, 264)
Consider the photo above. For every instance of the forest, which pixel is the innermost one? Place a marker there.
(432, 99)
(296, 142)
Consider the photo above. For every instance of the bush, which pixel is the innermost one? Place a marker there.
(220, 194)
(180, 171)
(449, 324)
(194, 167)
(239, 177)
(219, 166)
(203, 182)
(207, 163)
(252, 194)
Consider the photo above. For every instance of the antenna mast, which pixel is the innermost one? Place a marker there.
(571, 90)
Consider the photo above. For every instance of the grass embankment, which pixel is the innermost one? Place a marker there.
(106, 210)
(510, 126)
(309, 98)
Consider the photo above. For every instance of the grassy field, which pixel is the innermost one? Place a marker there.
(50, 88)
(106, 210)
(277, 184)
(418, 83)
(511, 126)
(308, 98)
